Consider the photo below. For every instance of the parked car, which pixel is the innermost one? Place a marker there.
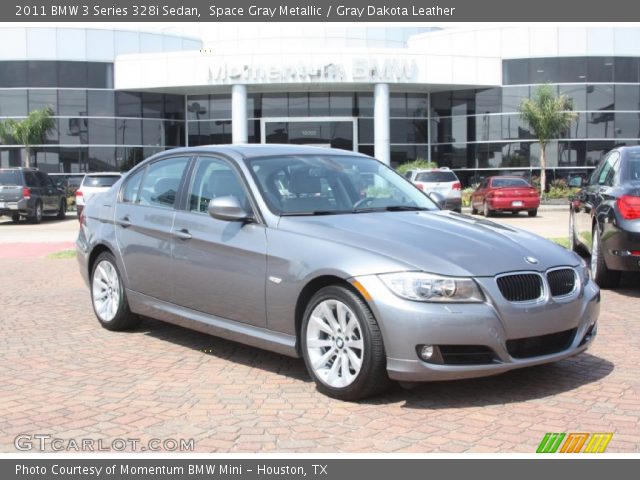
(505, 194)
(92, 184)
(276, 246)
(604, 218)
(30, 193)
(442, 181)
(69, 182)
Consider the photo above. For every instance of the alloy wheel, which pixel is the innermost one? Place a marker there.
(106, 291)
(334, 343)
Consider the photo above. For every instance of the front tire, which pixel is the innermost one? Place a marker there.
(108, 295)
(62, 211)
(604, 277)
(474, 210)
(342, 345)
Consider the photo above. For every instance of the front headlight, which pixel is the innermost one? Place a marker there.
(586, 272)
(426, 287)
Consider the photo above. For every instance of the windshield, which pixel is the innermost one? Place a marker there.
(100, 181)
(333, 184)
(10, 177)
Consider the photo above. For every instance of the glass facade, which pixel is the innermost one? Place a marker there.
(480, 129)
(96, 127)
(209, 120)
(472, 131)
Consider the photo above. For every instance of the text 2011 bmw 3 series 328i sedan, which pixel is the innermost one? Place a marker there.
(331, 256)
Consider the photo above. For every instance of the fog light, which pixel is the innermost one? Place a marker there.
(426, 352)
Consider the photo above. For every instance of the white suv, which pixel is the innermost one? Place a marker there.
(94, 183)
(440, 180)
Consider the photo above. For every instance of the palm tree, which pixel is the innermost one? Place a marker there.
(549, 116)
(28, 131)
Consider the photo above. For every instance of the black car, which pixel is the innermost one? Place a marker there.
(605, 216)
(30, 193)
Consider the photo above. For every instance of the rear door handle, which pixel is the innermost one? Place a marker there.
(182, 234)
(124, 222)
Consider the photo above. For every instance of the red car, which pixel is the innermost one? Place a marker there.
(505, 194)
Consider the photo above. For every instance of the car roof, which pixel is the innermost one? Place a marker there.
(99, 174)
(263, 150)
(507, 176)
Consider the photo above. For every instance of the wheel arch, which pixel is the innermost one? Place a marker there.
(95, 252)
(309, 290)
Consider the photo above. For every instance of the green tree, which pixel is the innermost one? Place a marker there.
(28, 131)
(548, 116)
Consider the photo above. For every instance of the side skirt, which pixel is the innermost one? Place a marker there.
(220, 327)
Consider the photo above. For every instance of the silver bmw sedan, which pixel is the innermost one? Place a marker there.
(331, 256)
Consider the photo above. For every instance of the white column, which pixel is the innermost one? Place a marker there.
(239, 114)
(381, 122)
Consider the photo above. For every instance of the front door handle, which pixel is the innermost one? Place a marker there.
(182, 234)
(124, 222)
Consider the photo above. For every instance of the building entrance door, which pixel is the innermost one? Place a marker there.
(336, 132)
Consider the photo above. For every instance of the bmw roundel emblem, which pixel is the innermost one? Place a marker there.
(531, 260)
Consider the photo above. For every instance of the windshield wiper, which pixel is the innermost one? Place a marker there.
(315, 212)
(391, 208)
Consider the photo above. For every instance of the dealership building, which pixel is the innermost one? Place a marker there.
(399, 93)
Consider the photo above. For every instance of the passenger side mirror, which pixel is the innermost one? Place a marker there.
(438, 199)
(229, 209)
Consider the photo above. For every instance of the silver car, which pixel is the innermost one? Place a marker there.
(331, 256)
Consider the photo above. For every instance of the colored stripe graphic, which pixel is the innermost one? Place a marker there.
(574, 442)
(598, 442)
(550, 442)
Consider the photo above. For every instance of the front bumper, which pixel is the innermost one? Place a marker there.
(405, 325)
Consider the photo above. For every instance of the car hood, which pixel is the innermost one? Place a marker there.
(439, 242)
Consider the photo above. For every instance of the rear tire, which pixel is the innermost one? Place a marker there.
(601, 274)
(15, 218)
(342, 345)
(37, 213)
(515, 212)
(487, 212)
(474, 210)
(62, 212)
(533, 213)
(108, 296)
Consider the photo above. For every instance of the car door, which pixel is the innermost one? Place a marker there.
(47, 192)
(591, 198)
(144, 216)
(219, 267)
(477, 197)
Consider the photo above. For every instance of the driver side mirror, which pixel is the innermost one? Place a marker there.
(438, 199)
(229, 209)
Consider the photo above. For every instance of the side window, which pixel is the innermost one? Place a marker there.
(43, 181)
(161, 182)
(131, 189)
(609, 170)
(30, 179)
(50, 182)
(214, 178)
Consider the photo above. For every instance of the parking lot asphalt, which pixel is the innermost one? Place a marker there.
(65, 376)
